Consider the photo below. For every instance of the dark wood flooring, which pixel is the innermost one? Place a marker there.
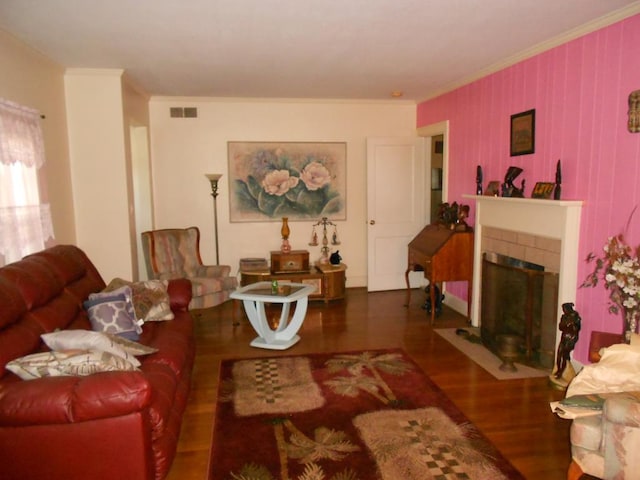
(513, 414)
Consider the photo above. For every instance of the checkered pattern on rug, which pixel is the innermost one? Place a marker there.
(275, 386)
(268, 388)
(441, 464)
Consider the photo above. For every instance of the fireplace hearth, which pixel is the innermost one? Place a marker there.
(519, 303)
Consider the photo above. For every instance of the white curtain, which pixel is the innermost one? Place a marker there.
(25, 220)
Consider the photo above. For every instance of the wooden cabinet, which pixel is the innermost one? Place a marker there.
(329, 280)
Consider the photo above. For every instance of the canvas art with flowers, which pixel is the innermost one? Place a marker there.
(619, 268)
(298, 180)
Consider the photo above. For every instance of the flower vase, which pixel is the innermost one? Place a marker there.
(630, 323)
(285, 232)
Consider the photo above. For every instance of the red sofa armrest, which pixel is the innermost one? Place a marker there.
(58, 400)
(180, 294)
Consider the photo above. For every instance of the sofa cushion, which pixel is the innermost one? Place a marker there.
(206, 285)
(72, 266)
(112, 312)
(67, 362)
(175, 344)
(36, 282)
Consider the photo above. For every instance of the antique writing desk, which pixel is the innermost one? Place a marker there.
(444, 255)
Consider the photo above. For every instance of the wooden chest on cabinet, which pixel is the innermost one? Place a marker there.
(292, 262)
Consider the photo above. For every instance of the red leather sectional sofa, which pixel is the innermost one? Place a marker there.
(110, 425)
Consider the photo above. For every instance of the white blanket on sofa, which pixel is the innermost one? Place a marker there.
(617, 371)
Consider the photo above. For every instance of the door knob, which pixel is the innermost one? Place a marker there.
(372, 222)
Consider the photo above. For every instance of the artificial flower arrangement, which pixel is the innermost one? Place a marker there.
(619, 267)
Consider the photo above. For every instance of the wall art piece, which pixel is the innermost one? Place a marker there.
(298, 180)
(634, 112)
(523, 133)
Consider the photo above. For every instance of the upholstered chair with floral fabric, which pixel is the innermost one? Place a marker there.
(175, 253)
(607, 445)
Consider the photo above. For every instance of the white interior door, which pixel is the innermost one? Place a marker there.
(396, 190)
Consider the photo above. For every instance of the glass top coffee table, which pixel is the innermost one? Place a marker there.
(255, 295)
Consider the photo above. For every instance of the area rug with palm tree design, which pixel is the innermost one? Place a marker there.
(344, 416)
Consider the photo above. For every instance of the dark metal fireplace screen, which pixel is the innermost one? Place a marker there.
(520, 300)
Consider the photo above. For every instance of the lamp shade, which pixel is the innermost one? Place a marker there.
(213, 177)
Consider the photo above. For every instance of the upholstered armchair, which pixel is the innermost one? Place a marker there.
(607, 445)
(175, 253)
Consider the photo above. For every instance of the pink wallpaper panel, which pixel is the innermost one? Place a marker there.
(579, 91)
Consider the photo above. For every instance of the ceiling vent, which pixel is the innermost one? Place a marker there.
(183, 112)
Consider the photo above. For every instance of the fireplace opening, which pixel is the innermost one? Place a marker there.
(519, 303)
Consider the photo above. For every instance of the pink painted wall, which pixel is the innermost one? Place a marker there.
(580, 92)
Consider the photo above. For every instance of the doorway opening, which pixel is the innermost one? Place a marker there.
(142, 194)
(437, 154)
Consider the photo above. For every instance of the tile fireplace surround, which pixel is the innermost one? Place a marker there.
(545, 232)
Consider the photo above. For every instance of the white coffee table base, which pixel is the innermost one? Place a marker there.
(260, 342)
(254, 297)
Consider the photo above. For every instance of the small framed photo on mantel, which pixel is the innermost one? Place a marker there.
(543, 190)
(523, 133)
(493, 189)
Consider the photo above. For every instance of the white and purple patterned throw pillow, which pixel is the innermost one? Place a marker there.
(112, 312)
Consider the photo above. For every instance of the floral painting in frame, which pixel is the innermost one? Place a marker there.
(298, 180)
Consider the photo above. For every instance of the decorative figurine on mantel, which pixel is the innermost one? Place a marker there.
(508, 188)
(478, 180)
(557, 191)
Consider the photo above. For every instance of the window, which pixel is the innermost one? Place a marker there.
(25, 219)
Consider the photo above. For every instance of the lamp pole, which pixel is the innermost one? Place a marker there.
(213, 178)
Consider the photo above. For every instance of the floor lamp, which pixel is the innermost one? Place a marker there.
(213, 178)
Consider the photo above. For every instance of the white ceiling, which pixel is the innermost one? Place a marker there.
(357, 49)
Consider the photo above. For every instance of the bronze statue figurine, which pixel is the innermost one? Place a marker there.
(570, 324)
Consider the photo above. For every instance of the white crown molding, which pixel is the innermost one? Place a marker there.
(597, 24)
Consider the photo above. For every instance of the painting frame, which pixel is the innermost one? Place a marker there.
(523, 133)
(303, 181)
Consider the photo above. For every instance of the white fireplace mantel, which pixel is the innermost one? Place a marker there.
(558, 219)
